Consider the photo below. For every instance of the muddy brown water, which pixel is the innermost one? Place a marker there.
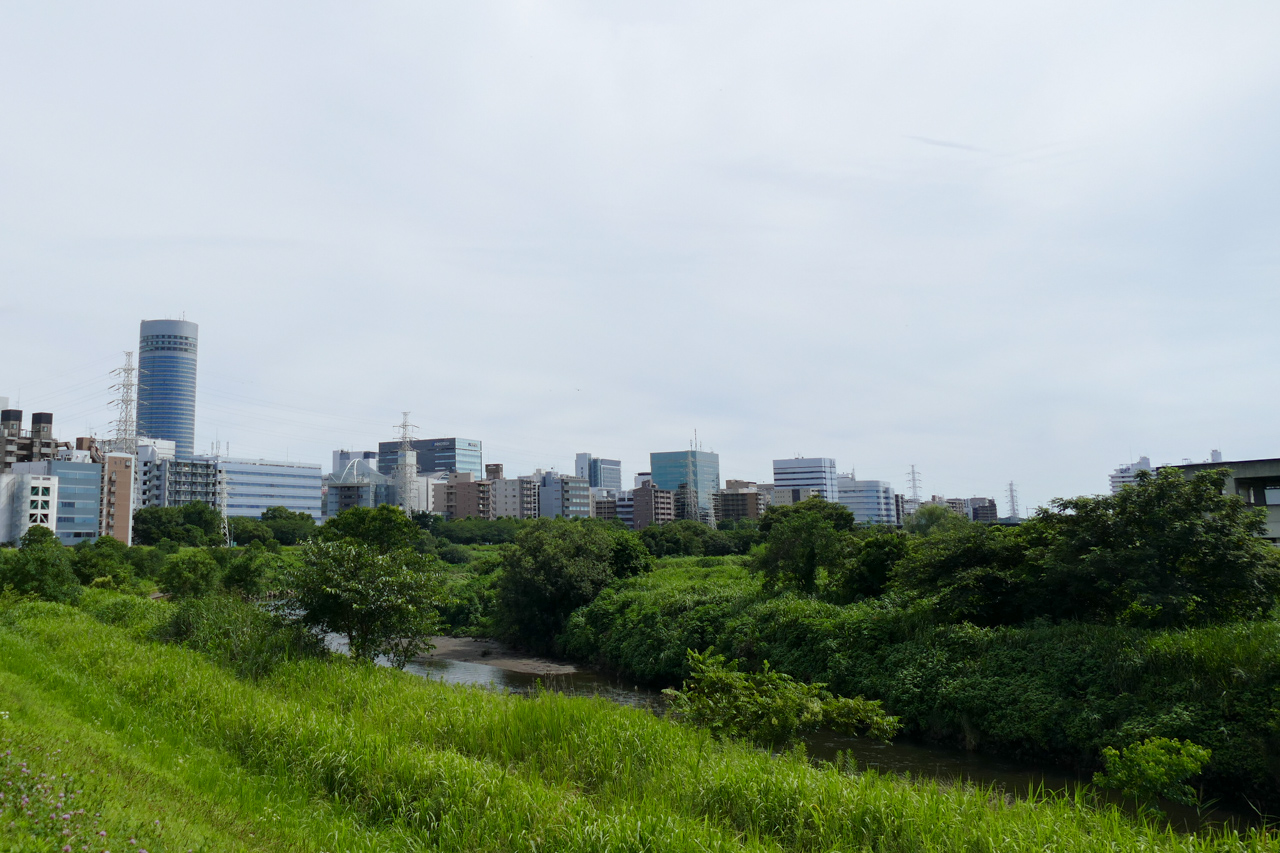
(487, 663)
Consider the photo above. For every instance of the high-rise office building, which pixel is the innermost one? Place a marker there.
(698, 470)
(807, 473)
(599, 473)
(870, 501)
(451, 455)
(167, 383)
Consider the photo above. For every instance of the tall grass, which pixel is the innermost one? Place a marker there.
(464, 769)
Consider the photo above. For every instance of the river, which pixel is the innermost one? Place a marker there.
(487, 663)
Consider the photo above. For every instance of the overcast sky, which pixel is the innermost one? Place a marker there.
(999, 241)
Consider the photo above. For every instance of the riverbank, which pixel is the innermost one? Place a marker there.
(1043, 693)
(391, 761)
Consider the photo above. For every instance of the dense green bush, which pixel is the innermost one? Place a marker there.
(40, 567)
(1156, 767)
(191, 572)
(769, 707)
(241, 636)
(556, 566)
(1057, 692)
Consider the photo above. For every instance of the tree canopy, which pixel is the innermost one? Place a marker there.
(554, 567)
(384, 529)
(383, 602)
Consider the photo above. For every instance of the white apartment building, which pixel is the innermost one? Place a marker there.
(1127, 475)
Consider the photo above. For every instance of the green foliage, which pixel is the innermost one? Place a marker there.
(246, 530)
(41, 567)
(254, 570)
(195, 525)
(288, 527)
(688, 538)
(470, 597)
(1167, 551)
(383, 603)
(804, 548)
(104, 563)
(477, 531)
(931, 519)
(146, 561)
(556, 566)
(972, 573)
(769, 707)
(839, 517)
(322, 755)
(1044, 691)
(1156, 767)
(191, 572)
(873, 564)
(385, 528)
(454, 555)
(643, 626)
(239, 635)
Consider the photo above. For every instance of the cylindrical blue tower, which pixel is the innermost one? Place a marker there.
(167, 383)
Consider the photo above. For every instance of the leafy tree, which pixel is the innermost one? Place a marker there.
(804, 548)
(1156, 767)
(973, 572)
(189, 573)
(195, 524)
(288, 527)
(556, 566)
(249, 571)
(933, 518)
(1168, 551)
(478, 531)
(105, 560)
(41, 566)
(246, 530)
(841, 519)
(384, 603)
(455, 555)
(686, 538)
(384, 529)
(877, 555)
(769, 707)
(146, 561)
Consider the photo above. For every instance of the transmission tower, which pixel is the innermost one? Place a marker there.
(222, 507)
(1013, 500)
(126, 422)
(406, 474)
(914, 479)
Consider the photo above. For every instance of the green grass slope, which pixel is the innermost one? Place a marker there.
(327, 755)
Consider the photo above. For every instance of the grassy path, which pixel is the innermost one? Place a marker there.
(332, 756)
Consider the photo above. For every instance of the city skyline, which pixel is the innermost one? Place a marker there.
(909, 238)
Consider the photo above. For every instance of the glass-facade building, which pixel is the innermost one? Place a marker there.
(254, 485)
(167, 383)
(599, 473)
(818, 473)
(699, 468)
(76, 510)
(457, 455)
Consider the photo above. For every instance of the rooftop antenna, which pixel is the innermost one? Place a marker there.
(1013, 500)
(126, 421)
(406, 475)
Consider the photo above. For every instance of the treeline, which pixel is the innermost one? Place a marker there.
(1099, 624)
